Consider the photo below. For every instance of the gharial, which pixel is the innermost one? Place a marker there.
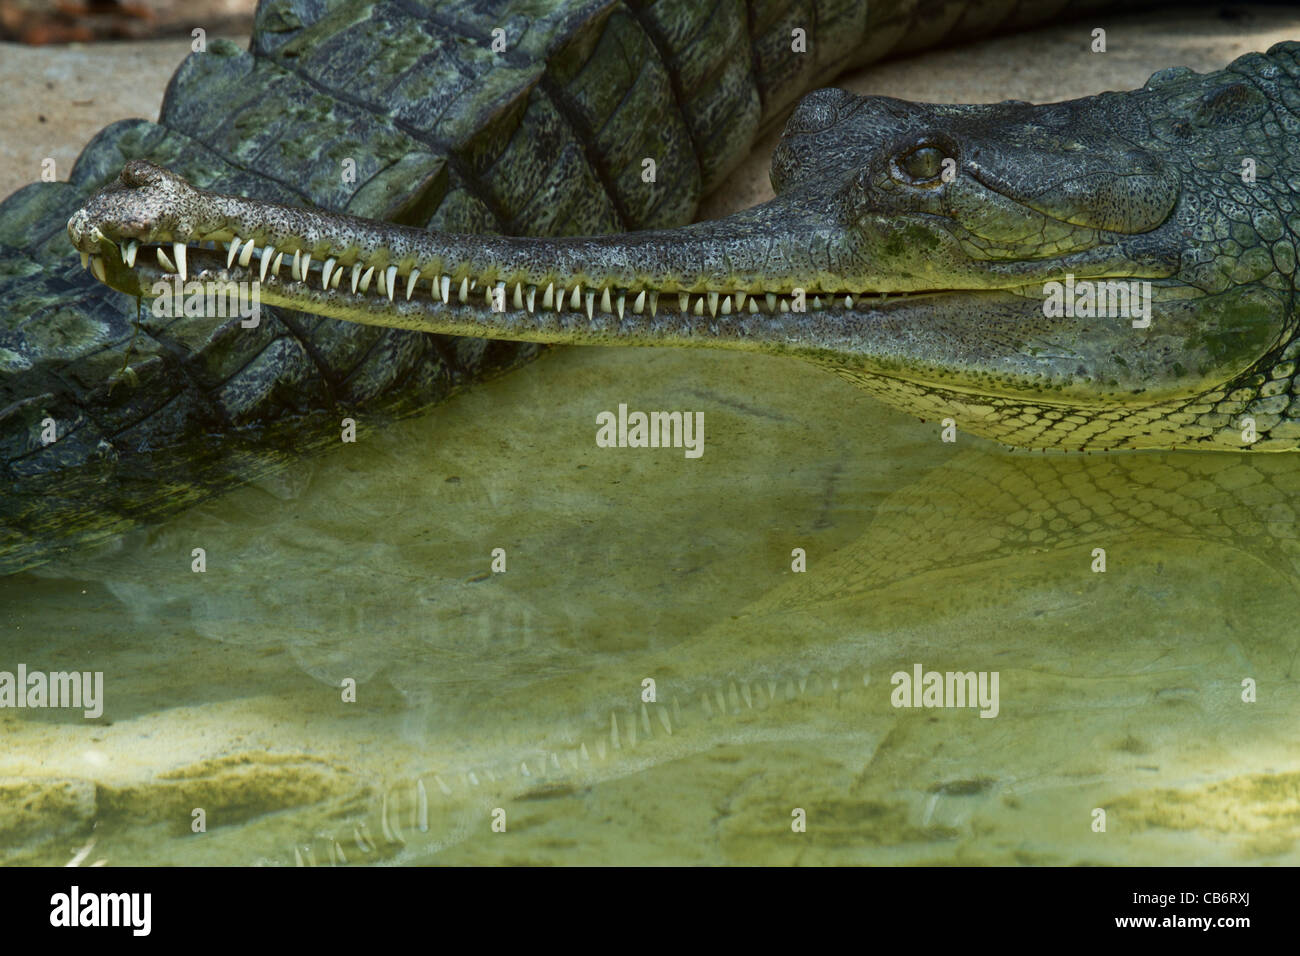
(926, 289)
(923, 277)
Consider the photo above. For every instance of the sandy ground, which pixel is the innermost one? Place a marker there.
(58, 97)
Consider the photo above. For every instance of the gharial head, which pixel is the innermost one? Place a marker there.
(1114, 271)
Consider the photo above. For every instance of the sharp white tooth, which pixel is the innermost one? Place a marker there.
(638, 304)
(165, 261)
(338, 277)
(620, 305)
(726, 306)
(848, 302)
(306, 265)
(181, 268)
(246, 253)
(85, 260)
(487, 298)
(128, 254)
(575, 300)
(356, 276)
(785, 306)
(683, 303)
(230, 253)
(267, 250)
(499, 295)
(445, 284)
(713, 304)
(297, 265)
(605, 304)
(699, 305)
(390, 280)
(654, 303)
(365, 279)
(771, 302)
(464, 289)
(275, 266)
(411, 280)
(97, 268)
(740, 300)
(548, 297)
(753, 306)
(591, 304)
(379, 281)
(326, 269)
(817, 302)
(518, 300)
(532, 296)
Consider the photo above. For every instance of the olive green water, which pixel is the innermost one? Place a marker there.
(1119, 690)
(517, 697)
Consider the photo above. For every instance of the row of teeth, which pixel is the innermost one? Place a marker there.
(388, 282)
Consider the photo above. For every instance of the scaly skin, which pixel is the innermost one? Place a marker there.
(544, 138)
(925, 289)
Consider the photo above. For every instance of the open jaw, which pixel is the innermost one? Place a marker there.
(648, 287)
(927, 328)
(783, 277)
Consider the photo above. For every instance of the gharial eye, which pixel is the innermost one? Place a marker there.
(922, 164)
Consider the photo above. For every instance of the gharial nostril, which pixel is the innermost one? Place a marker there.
(819, 110)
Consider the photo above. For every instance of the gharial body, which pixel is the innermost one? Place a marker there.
(928, 289)
(922, 278)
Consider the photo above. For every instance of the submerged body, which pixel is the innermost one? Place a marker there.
(1110, 272)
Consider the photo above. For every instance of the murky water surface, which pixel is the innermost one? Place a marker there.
(520, 694)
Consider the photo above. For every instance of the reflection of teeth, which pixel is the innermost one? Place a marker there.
(179, 248)
(128, 254)
(97, 268)
(165, 261)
